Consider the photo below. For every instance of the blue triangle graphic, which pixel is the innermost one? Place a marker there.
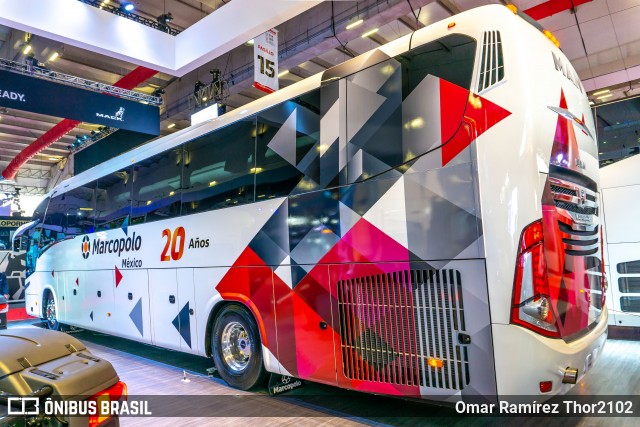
(136, 316)
(182, 323)
(125, 225)
(91, 315)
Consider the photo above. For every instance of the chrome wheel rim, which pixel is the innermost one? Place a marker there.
(236, 346)
(50, 311)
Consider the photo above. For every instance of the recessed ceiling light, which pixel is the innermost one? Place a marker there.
(370, 33)
(355, 24)
(283, 73)
(172, 125)
(600, 92)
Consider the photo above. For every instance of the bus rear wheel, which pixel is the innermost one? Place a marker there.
(237, 351)
(50, 312)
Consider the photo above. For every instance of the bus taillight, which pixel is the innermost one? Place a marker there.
(604, 277)
(531, 297)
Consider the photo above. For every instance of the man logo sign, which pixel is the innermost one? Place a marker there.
(85, 247)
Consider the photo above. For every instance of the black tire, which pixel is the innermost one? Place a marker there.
(239, 369)
(50, 318)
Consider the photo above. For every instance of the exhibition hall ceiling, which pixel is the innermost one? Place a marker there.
(600, 37)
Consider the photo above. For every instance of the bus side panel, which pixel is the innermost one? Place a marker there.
(187, 325)
(131, 313)
(36, 285)
(164, 307)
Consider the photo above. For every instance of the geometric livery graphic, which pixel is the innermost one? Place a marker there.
(183, 324)
(480, 115)
(136, 317)
(118, 276)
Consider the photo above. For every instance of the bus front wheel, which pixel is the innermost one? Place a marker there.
(50, 312)
(237, 351)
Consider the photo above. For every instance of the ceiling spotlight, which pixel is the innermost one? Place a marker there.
(26, 49)
(172, 125)
(250, 42)
(283, 73)
(55, 55)
(165, 18)
(128, 6)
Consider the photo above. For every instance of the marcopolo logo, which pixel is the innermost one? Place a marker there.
(14, 96)
(111, 246)
(85, 247)
(118, 116)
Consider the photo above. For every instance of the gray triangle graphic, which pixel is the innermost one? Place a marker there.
(348, 218)
(136, 316)
(453, 183)
(368, 103)
(284, 141)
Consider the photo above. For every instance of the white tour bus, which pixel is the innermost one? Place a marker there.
(422, 220)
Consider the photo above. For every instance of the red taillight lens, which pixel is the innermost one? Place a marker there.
(604, 278)
(4, 308)
(117, 392)
(531, 297)
(545, 386)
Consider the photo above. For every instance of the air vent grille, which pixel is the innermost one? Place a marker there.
(393, 324)
(492, 65)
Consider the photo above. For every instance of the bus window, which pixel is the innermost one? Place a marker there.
(219, 169)
(450, 58)
(286, 147)
(156, 187)
(113, 200)
(54, 221)
(30, 239)
(80, 212)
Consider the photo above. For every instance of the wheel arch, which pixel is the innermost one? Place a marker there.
(242, 302)
(48, 289)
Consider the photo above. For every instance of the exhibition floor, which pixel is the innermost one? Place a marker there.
(148, 370)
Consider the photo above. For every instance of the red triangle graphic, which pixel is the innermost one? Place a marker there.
(480, 115)
(565, 149)
(53, 273)
(77, 282)
(118, 277)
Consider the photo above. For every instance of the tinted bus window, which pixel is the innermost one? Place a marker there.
(219, 169)
(113, 200)
(54, 221)
(450, 58)
(156, 187)
(287, 134)
(81, 209)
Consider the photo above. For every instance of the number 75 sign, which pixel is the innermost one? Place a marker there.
(265, 52)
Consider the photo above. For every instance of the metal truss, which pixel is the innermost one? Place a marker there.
(34, 173)
(25, 190)
(216, 91)
(46, 74)
(117, 10)
(98, 137)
